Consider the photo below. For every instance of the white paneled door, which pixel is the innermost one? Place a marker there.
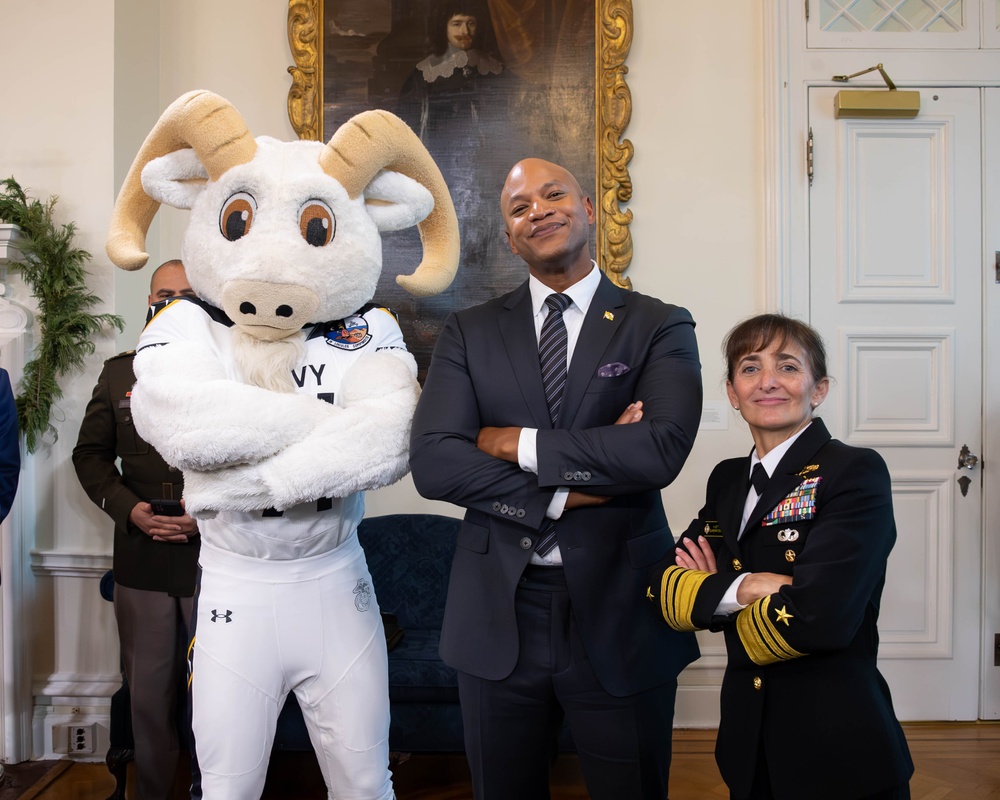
(896, 288)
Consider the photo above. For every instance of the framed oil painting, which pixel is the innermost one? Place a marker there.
(484, 83)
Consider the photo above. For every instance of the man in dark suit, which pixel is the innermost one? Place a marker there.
(564, 518)
(155, 557)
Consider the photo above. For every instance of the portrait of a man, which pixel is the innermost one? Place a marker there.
(483, 83)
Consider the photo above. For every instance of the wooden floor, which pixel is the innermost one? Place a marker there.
(957, 761)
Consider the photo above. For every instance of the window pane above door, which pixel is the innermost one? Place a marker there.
(889, 24)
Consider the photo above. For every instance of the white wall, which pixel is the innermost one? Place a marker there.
(56, 138)
(89, 94)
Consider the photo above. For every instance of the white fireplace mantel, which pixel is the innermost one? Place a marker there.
(9, 235)
(16, 537)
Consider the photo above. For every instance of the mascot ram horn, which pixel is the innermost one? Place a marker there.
(283, 248)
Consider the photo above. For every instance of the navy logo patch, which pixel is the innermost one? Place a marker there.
(350, 333)
(362, 595)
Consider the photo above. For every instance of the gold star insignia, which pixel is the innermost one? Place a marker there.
(783, 615)
(609, 316)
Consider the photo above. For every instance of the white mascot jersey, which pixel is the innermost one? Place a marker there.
(331, 348)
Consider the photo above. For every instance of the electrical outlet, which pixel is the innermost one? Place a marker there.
(81, 738)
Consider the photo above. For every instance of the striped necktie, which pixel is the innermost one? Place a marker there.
(552, 353)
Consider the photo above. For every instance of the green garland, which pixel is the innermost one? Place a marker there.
(54, 270)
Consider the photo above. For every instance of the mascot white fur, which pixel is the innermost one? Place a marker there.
(283, 394)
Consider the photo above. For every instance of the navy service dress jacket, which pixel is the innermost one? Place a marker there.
(802, 689)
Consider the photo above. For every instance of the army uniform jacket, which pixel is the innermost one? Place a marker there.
(801, 688)
(106, 434)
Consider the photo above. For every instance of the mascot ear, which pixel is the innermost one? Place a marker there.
(175, 179)
(394, 201)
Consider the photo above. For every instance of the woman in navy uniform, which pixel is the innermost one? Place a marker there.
(788, 559)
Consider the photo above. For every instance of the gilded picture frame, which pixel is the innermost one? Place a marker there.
(562, 98)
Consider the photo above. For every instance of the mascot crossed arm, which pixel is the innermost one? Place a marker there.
(283, 393)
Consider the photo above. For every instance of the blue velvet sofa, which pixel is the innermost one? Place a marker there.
(409, 557)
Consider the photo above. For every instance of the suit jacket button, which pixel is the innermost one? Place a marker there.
(525, 543)
(758, 682)
(503, 508)
(577, 476)
(511, 511)
(568, 476)
(586, 475)
(520, 513)
(496, 506)
(737, 565)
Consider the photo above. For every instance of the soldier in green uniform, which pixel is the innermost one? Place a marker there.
(155, 557)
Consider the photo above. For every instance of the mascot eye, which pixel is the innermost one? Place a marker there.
(317, 223)
(237, 216)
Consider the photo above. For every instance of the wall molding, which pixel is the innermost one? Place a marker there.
(67, 564)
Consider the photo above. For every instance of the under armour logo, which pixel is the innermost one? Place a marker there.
(216, 616)
(363, 595)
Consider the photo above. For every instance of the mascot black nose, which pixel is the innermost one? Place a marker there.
(284, 311)
(247, 308)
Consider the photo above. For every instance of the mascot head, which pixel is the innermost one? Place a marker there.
(285, 233)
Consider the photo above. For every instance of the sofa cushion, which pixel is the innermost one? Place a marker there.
(409, 557)
(416, 672)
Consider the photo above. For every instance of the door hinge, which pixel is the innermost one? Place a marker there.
(996, 266)
(809, 156)
(807, 9)
(996, 649)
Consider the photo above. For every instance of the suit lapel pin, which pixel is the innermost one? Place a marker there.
(609, 316)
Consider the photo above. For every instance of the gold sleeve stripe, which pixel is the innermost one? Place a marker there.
(761, 639)
(678, 590)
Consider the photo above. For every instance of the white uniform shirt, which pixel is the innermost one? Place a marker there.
(331, 348)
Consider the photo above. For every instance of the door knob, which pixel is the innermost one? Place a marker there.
(967, 459)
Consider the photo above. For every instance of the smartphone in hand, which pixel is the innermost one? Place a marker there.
(167, 508)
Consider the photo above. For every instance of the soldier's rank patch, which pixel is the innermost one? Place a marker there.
(798, 505)
(761, 639)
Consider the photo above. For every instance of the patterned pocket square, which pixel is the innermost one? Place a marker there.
(612, 370)
(799, 504)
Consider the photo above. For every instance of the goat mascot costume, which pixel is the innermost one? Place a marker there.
(283, 393)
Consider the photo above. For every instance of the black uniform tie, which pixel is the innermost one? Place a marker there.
(759, 478)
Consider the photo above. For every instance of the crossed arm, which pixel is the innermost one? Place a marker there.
(698, 554)
(502, 443)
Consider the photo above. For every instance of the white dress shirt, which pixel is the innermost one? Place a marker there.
(581, 293)
(729, 604)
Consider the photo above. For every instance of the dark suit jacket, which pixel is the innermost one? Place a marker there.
(485, 372)
(802, 682)
(106, 434)
(10, 446)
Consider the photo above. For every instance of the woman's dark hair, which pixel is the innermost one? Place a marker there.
(760, 332)
(444, 11)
